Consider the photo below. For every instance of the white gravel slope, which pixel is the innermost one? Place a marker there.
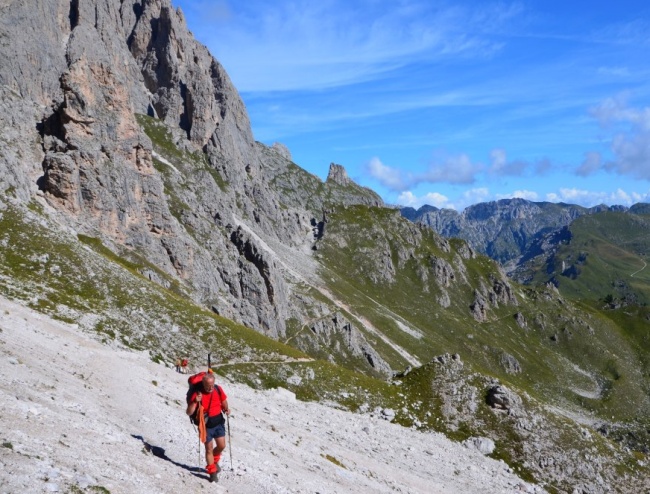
(75, 413)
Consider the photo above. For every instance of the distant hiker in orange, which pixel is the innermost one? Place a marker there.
(212, 400)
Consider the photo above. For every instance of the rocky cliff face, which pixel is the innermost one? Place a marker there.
(132, 131)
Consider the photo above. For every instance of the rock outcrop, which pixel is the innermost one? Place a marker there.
(337, 332)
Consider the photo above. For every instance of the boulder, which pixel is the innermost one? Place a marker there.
(481, 444)
(502, 398)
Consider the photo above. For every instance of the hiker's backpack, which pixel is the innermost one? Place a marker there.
(195, 386)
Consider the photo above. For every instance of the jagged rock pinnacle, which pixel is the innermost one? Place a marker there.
(337, 174)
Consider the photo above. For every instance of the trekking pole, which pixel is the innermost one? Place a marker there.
(229, 442)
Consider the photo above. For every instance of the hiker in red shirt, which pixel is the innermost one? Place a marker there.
(214, 401)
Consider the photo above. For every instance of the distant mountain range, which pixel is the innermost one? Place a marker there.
(507, 229)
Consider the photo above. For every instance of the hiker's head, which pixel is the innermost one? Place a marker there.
(208, 382)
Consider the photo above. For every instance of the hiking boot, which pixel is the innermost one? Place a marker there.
(213, 477)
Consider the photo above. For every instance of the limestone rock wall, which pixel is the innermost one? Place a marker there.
(196, 202)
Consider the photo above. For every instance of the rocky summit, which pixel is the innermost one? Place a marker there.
(137, 209)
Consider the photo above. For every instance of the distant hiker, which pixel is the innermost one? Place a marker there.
(178, 365)
(184, 369)
(214, 402)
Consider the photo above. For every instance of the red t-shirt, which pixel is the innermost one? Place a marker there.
(212, 401)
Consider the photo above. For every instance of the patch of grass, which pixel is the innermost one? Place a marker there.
(184, 161)
(334, 460)
(7, 445)
(99, 489)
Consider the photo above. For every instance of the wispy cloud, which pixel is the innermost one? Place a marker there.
(472, 196)
(310, 45)
(210, 10)
(614, 71)
(635, 32)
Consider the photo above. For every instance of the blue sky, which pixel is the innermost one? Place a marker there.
(447, 103)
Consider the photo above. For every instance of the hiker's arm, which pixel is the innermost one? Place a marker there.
(224, 407)
(193, 404)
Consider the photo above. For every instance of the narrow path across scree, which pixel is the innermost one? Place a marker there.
(645, 265)
(264, 362)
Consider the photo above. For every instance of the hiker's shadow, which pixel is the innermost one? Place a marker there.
(159, 452)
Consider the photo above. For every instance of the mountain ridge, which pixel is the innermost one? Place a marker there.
(507, 228)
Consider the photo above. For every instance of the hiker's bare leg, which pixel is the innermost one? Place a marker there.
(219, 447)
(209, 456)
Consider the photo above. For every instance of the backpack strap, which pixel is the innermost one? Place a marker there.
(207, 412)
(219, 392)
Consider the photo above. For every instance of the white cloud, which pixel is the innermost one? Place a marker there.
(629, 141)
(473, 196)
(626, 33)
(501, 167)
(392, 178)
(436, 199)
(631, 154)
(529, 195)
(498, 159)
(589, 198)
(591, 164)
(453, 170)
(408, 198)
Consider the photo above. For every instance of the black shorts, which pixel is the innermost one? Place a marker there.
(215, 432)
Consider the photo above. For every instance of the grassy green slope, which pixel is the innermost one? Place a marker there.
(570, 355)
(607, 255)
